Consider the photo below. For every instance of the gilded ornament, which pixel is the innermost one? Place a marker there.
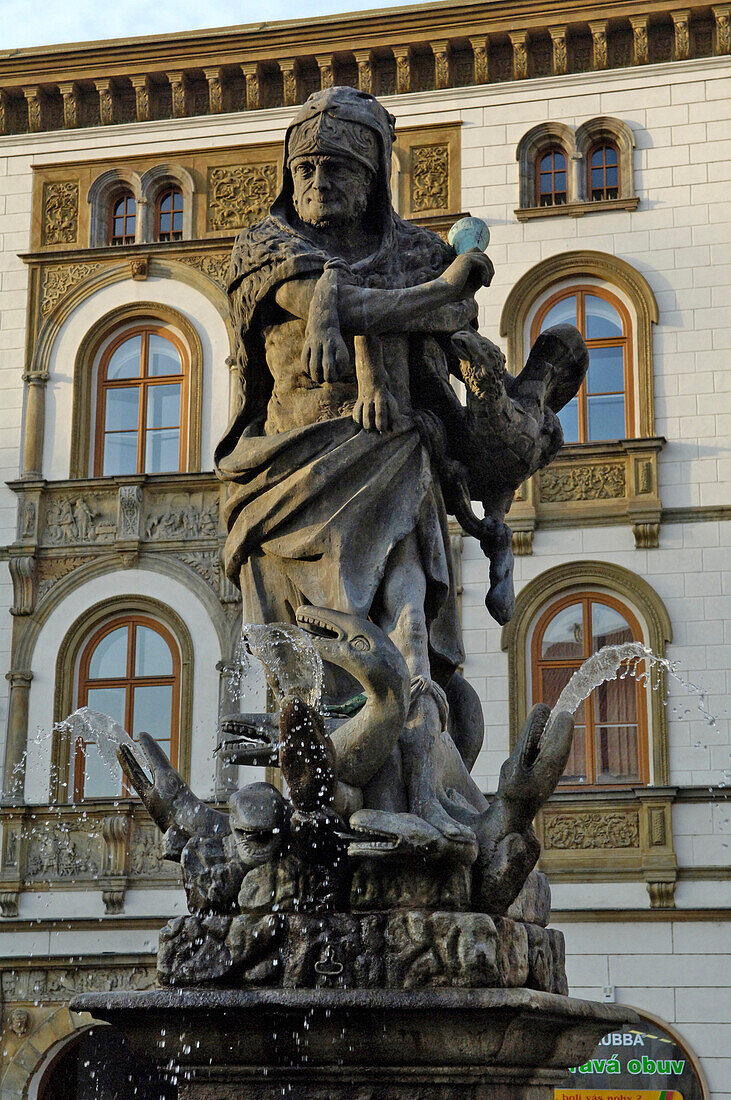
(591, 482)
(592, 830)
(60, 212)
(240, 194)
(723, 30)
(560, 59)
(599, 45)
(682, 36)
(639, 40)
(429, 177)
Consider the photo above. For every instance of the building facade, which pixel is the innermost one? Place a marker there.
(593, 138)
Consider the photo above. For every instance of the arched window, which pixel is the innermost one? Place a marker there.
(551, 178)
(130, 670)
(142, 403)
(169, 215)
(610, 734)
(603, 407)
(123, 219)
(603, 167)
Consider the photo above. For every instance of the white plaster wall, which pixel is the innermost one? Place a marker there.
(194, 305)
(206, 652)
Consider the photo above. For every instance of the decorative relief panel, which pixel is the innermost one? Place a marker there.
(57, 852)
(145, 859)
(206, 564)
(215, 266)
(589, 482)
(57, 281)
(183, 516)
(84, 519)
(52, 570)
(240, 195)
(429, 177)
(61, 983)
(592, 830)
(60, 212)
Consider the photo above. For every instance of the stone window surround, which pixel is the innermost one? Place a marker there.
(65, 673)
(146, 188)
(577, 145)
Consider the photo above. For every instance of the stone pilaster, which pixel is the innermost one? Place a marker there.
(519, 41)
(640, 52)
(250, 69)
(402, 55)
(481, 60)
(365, 70)
(440, 48)
(70, 94)
(15, 749)
(141, 85)
(215, 89)
(106, 101)
(325, 65)
(289, 81)
(722, 17)
(681, 23)
(35, 414)
(598, 30)
(179, 93)
(560, 53)
(35, 110)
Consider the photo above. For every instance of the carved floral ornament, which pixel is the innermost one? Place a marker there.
(429, 177)
(60, 983)
(600, 481)
(240, 195)
(60, 212)
(592, 830)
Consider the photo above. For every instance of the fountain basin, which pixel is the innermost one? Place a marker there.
(491, 1044)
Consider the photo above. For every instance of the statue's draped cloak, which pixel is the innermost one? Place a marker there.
(314, 513)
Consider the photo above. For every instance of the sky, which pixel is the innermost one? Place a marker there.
(44, 22)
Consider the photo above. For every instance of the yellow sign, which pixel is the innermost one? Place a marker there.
(616, 1094)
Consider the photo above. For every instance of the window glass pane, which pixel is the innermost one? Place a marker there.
(152, 653)
(122, 408)
(606, 370)
(125, 361)
(163, 406)
(615, 702)
(162, 451)
(100, 781)
(153, 709)
(575, 770)
(562, 313)
(109, 659)
(109, 700)
(569, 420)
(617, 755)
(602, 319)
(120, 453)
(608, 627)
(553, 681)
(605, 417)
(564, 636)
(166, 203)
(547, 162)
(560, 181)
(163, 357)
(178, 221)
(612, 176)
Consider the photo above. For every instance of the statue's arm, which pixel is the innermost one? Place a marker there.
(441, 304)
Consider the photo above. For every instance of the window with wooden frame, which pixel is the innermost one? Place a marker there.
(551, 178)
(169, 215)
(603, 168)
(130, 670)
(610, 735)
(603, 409)
(142, 395)
(122, 219)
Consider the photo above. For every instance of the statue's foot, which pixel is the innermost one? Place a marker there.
(434, 813)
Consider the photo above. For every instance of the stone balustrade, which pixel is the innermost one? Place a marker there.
(247, 69)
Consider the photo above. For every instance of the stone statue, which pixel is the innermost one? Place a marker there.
(348, 453)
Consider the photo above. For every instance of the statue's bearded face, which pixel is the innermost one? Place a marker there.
(330, 192)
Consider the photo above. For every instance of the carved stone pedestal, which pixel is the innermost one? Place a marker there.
(336, 1044)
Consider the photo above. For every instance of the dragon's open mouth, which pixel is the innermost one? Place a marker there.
(532, 745)
(311, 624)
(370, 840)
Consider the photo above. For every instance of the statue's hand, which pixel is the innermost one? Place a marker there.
(376, 411)
(468, 273)
(324, 353)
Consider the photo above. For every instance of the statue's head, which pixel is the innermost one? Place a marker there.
(337, 161)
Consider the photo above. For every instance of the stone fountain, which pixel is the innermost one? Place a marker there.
(380, 930)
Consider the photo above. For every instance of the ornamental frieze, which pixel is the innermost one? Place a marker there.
(189, 516)
(57, 281)
(57, 853)
(60, 212)
(600, 481)
(215, 266)
(83, 519)
(61, 983)
(592, 830)
(52, 570)
(240, 195)
(429, 177)
(145, 857)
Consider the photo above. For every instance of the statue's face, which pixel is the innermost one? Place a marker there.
(330, 192)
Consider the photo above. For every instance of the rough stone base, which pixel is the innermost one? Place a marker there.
(400, 949)
(375, 1044)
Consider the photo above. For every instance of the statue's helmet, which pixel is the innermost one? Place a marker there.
(342, 122)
